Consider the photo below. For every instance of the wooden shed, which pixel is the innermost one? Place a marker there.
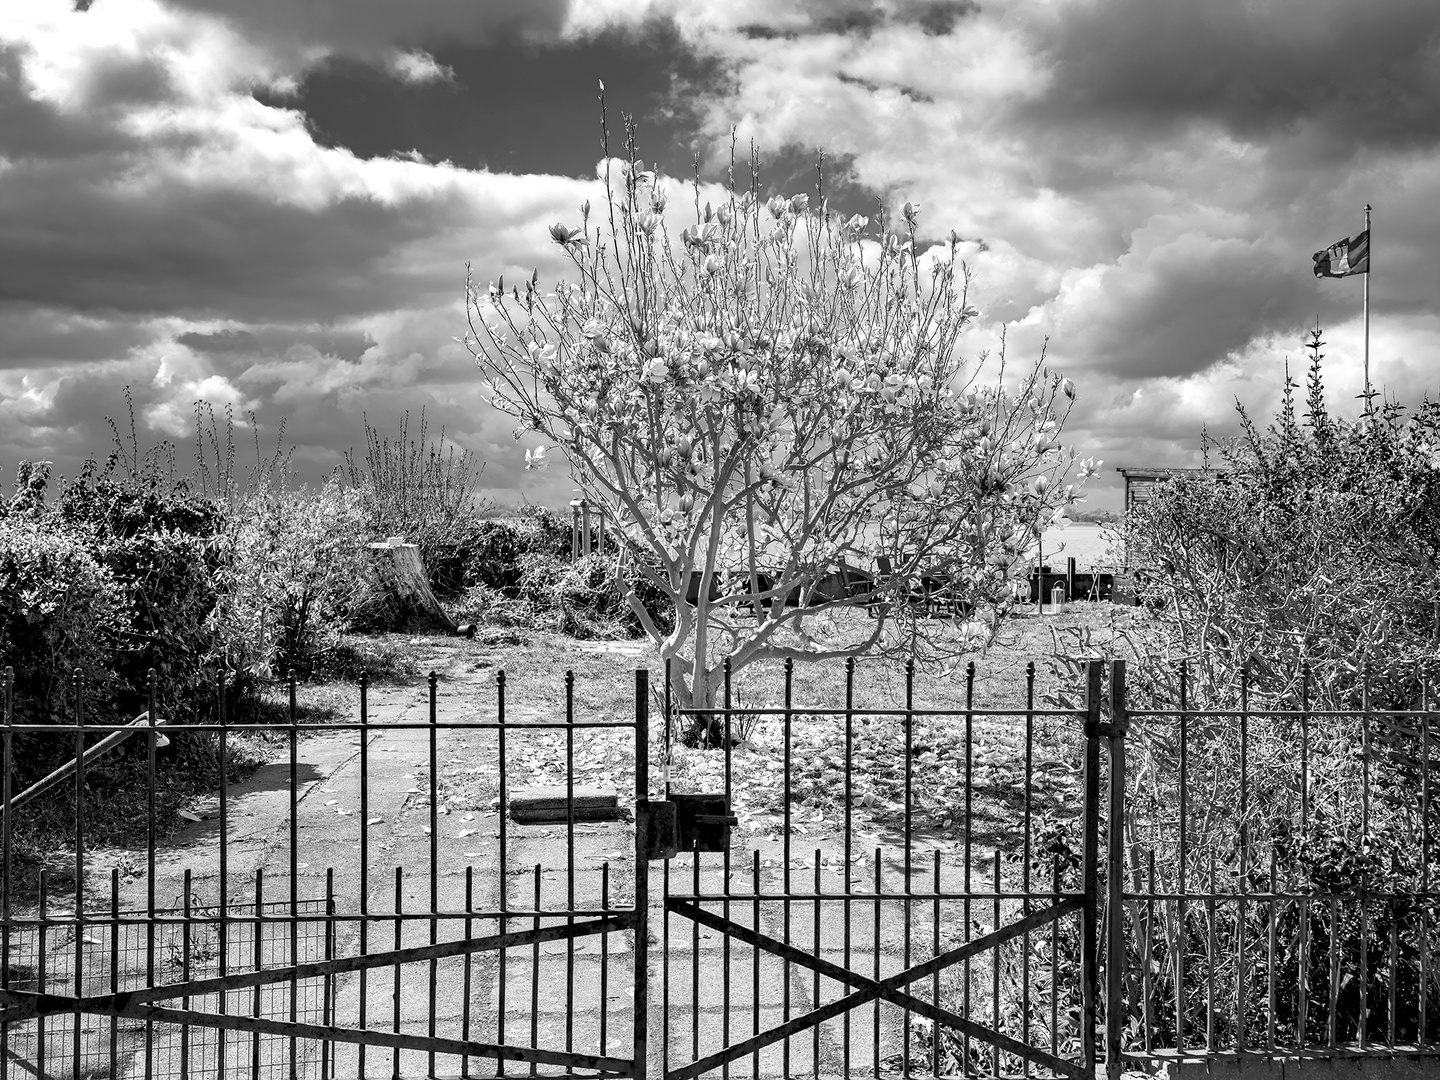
(1140, 482)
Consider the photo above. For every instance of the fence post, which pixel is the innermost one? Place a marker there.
(1090, 870)
(1115, 875)
(642, 874)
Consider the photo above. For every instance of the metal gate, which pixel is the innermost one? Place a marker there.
(399, 919)
(886, 949)
(358, 937)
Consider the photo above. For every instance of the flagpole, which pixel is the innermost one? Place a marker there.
(1370, 260)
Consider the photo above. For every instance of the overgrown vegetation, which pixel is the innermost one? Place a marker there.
(218, 578)
(1303, 578)
(224, 578)
(424, 491)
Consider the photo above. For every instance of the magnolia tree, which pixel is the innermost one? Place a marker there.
(770, 408)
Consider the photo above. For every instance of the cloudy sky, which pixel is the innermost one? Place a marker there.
(270, 204)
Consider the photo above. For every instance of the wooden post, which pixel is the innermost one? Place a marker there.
(575, 529)
(1040, 577)
(1070, 578)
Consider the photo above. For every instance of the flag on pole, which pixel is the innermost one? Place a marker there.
(1345, 257)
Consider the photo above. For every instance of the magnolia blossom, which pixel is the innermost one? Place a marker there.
(734, 389)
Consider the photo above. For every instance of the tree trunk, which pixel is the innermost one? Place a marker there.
(696, 692)
(403, 576)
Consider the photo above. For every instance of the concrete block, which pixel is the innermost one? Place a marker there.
(549, 804)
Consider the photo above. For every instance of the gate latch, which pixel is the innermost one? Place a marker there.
(703, 821)
(684, 822)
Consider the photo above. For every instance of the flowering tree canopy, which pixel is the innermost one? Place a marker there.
(771, 410)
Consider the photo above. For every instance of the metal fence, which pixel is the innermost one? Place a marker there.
(943, 927)
(113, 950)
(861, 887)
(443, 947)
(1271, 876)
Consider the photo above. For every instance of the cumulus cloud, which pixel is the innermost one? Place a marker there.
(1139, 185)
(418, 66)
(168, 232)
(1143, 183)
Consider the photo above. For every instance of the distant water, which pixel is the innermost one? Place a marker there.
(1088, 545)
(1091, 546)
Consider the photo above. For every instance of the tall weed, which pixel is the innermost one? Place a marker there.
(417, 488)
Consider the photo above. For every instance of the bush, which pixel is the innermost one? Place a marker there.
(1321, 547)
(296, 573)
(1305, 580)
(61, 611)
(158, 543)
(496, 547)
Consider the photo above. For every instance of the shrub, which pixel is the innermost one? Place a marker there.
(1321, 547)
(1304, 580)
(61, 611)
(296, 572)
(161, 544)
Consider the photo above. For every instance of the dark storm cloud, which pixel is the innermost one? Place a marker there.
(201, 251)
(222, 341)
(375, 28)
(1362, 74)
(514, 103)
(859, 18)
(52, 335)
(1175, 311)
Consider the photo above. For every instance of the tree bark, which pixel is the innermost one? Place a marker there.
(403, 575)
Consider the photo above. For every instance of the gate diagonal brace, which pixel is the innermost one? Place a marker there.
(886, 989)
(24, 1005)
(606, 1066)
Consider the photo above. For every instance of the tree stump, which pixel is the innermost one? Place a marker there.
(403, 576)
